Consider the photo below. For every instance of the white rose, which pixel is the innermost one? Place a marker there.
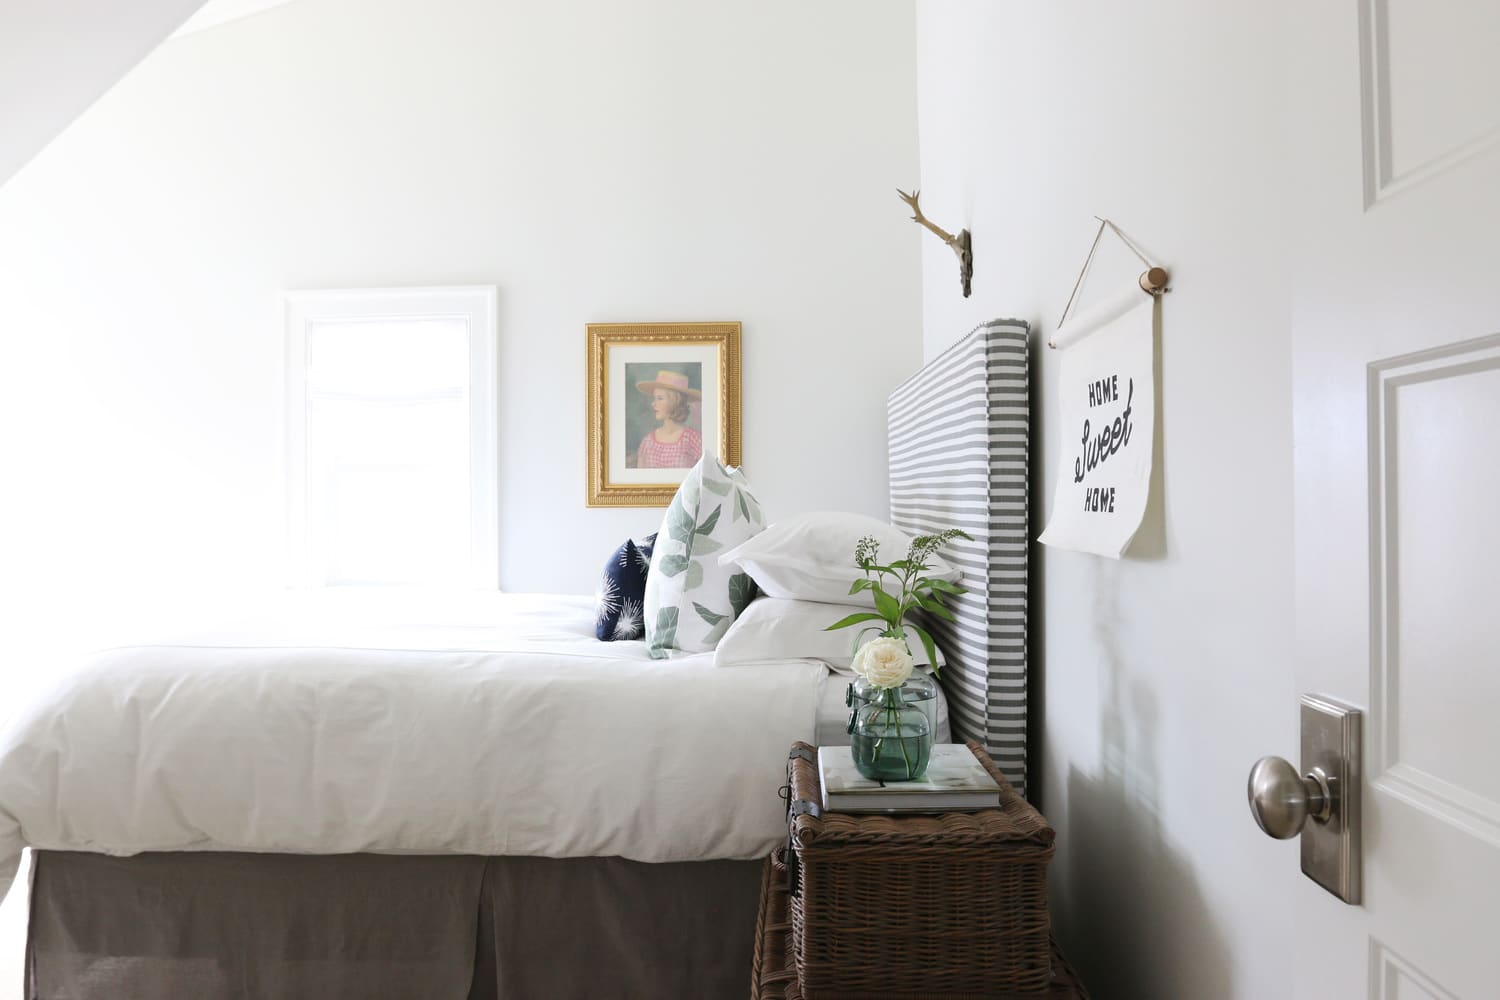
(886, 662)
(858, 663)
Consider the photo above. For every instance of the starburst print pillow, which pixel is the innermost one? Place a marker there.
(622, 591)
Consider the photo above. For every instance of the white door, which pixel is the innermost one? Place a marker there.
(1395, 175)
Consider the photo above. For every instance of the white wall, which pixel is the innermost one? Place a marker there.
(600, 162)
(1164, 676)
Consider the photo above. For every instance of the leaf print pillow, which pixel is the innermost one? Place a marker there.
(621, 600)
(690, 599)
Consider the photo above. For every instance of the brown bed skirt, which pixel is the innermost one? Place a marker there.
(366, 926)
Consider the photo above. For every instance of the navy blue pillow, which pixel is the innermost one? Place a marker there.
(622, 591)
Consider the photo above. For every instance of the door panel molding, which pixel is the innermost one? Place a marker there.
(1392, 977)
(1382, 178)
(1474, 812)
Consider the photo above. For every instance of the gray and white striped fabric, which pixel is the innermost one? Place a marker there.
(958, 454)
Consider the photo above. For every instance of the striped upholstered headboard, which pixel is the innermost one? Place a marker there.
(958, 453)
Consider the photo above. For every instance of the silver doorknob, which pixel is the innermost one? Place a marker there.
(1283, 800)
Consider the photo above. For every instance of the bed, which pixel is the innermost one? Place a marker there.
(373, 797)
(475, 798)
(527, 765)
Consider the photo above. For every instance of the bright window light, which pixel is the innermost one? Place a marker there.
(391, 437)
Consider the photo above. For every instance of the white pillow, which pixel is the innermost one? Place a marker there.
(691, 599)
(777, 629)
(810, 557)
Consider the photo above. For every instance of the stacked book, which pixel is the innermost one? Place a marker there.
(955, 782)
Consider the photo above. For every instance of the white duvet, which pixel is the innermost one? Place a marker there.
(492, 724)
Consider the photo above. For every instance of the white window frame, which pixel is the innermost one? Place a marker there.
(476, 305)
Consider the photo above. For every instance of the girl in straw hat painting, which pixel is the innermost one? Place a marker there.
(675, 444)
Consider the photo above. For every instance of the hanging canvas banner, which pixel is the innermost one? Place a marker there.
(1108, 394)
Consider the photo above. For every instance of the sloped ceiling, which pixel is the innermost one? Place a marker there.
(217, 12)
(58, 56)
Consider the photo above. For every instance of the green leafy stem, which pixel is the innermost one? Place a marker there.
(902, 587)
(893, 724)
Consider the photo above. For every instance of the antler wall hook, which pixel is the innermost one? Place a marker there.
(961, 243)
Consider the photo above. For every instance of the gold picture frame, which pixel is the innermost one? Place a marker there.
(659, 394)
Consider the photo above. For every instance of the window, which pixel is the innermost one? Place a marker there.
(391, 425)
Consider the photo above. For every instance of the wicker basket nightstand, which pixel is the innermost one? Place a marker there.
(938, 906)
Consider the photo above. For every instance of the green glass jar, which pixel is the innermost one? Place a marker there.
(890, 740)
(919, 691)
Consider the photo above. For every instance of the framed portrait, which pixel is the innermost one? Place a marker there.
(659, 393)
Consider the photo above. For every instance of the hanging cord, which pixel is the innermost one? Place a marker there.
(1090, 259)
(1082, 271)
(1127, 241)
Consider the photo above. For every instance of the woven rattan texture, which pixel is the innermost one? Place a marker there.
(947, 905)
(774, 975)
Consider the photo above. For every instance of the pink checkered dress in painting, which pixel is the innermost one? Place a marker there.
(680, 454)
